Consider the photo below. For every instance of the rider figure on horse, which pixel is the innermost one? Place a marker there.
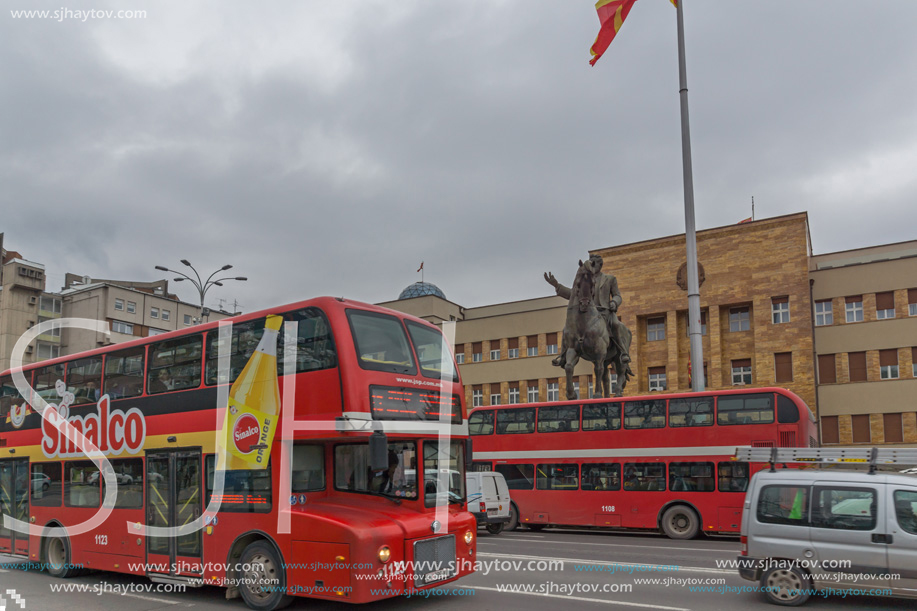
(607, 300)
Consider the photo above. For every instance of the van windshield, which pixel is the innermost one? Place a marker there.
(443, 472)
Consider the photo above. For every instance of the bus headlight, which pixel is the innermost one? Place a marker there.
(469, 537)
(385, 553)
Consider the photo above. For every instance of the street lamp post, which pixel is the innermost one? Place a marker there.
(202, 286)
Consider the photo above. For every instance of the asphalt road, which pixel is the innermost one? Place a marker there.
(572, 569)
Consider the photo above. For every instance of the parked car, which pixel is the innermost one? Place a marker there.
(40, 482)
(823, 530)
(488, 499)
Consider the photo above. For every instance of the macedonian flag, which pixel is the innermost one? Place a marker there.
(612, 14)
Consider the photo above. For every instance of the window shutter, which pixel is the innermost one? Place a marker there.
(885, 301)
(888, 358)
(827, 370)
(854, 299)
(783, 366)
(857, 364)
(861, 428)
(829, 430)
(893, 431)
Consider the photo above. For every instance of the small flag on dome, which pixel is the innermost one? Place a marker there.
(421, 266)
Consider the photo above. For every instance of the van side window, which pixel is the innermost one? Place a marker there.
(784, 505)
(906, 510)
(844, 508)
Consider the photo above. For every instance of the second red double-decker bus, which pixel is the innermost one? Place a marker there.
(373, 424)
(662, 462)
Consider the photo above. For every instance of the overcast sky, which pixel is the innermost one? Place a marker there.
(328, 147)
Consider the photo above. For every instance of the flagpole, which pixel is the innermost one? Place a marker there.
(694, 326)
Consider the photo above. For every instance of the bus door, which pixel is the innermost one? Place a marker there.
(173, 498)
(14, 502)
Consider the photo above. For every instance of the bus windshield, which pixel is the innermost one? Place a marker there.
(443, 471)
(381, 342)
(352, 470)
(435, 359)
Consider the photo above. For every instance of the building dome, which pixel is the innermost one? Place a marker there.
(421, 289)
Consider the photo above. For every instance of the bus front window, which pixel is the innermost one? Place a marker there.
(353, 472)
(443, 469)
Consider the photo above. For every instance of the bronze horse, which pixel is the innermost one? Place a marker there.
(586, 336)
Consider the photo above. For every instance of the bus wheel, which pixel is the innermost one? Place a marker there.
(495, 529)
(513, 517)
(262, 582)
(57, 557)
(680, 522)
(785, 586)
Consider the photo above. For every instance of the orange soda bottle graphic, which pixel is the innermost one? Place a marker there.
(254, 404)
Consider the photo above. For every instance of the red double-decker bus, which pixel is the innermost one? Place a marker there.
(372, 430)
(661, 462)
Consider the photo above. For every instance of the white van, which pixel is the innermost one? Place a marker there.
(830, 531)
(488, 499)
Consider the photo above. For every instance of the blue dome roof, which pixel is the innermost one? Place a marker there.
(420, 289)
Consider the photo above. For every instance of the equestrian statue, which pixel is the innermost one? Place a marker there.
(592, 330)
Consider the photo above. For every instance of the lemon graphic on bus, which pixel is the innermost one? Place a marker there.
(254, 404)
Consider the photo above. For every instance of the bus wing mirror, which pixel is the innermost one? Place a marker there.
(378, 451)
(469, 447)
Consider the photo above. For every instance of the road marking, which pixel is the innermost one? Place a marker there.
(687, 549)
(150, 598)
(603, 601)
(677, 567)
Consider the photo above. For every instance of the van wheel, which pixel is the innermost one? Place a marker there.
(262, 581)
(680, 522)
(513, 517)
(495, 529)
(57, 557)
(785, 586)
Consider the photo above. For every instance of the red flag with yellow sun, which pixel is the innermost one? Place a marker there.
(612, 14)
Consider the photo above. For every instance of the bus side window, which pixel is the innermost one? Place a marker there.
(308, 468)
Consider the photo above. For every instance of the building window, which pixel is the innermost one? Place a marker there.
(476, 352)
(122, 327)
(783, 367)
(741, 372)
(154, 331)
(512, 350)
(131, 307)
(532, 392)
(591, 389)
(829, 430)
(827, 369)
(824, 314)
(55, 328)
(188, 322)
(551, 340)
(553, 390)
(885, 305)
(495, 355)
(854, 308)
(576, 390)
(860, 428)
(703, 324)
(780, 309)
(912, 302)
(612, 383)
(495, 397)
(532, 344)
(888, 364)
(739, 319)
(166, 314)
(893, 429)
(655, 329)
(48, 351)
(914, 362)
(460, 358)
(856, 364)
(657, 378)
(514, 394)
(49, 304)
(119, 304)
(154, 312)
(477, 397)
(495, 350)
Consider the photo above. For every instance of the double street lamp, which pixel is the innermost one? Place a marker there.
(202, 286)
